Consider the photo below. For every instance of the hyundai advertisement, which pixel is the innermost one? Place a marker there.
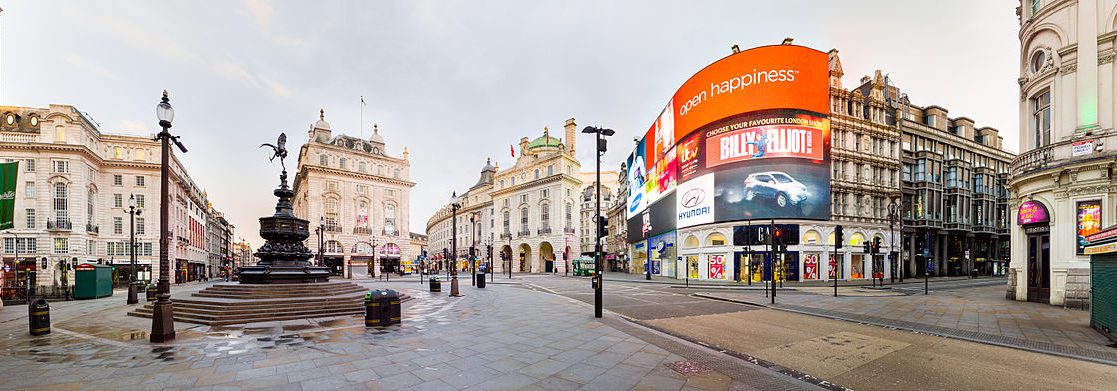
(751, 141)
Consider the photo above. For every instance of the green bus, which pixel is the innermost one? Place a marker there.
(583, 266)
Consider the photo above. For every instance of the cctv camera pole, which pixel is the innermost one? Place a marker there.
(771, 229)
(600, 149)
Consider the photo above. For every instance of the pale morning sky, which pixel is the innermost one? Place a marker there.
(458, 81)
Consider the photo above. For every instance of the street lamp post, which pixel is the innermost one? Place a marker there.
(321, 242)
(133, 291)
(489, 254)
(162, 320)
(599, 133)
(454, 244)
(473, 248)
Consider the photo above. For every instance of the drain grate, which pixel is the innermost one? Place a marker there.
(687, 367)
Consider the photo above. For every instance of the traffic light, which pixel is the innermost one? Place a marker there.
(876, 245)
(777, 240)
(602, 226)
(868, 247)
(838, 239)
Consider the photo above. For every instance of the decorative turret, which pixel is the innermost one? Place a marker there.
(571, 136)
(320, 131)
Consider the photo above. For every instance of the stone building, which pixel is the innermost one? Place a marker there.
(360, 193)
(219, 242)
(616, 244)
(528, 211)
(587, 208)
(1062, 183)
(73, 191)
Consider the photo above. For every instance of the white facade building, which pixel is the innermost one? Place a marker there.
(528, 211)
(1063, 178)
(72, 197)
(361, 194)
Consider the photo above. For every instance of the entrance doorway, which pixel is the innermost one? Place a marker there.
(1039, 268)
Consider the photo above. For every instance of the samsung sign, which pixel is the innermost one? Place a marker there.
(695, 202)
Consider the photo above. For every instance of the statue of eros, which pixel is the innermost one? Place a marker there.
(279, 150)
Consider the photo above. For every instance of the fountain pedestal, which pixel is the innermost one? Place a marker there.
(283, 257)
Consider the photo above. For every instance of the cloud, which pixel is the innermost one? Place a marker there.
(275, 86)
(261, 10)
(87, 64)
(233, 71)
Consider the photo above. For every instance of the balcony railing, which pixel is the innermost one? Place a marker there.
(1059, 152)
(362, 231)
(333, 228)
(388, 232)
(525, 232)
(506, 236)
(568, 230)
(544, 231)
(93, 229)
(59, 225)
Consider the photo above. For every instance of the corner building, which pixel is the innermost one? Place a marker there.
(1062, 182)
(361, 194)
(528, 211)
(882, 147)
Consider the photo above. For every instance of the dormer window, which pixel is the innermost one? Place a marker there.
(929, 120)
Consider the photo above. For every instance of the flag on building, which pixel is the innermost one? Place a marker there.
(512, 150)
(8, 172)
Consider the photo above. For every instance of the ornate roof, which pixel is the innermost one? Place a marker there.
(322, 124)
(544, 141)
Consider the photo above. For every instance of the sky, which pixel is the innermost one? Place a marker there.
(457, 82)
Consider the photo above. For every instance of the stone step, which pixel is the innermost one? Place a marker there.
(252, 319)
(256, 303)
(224, 295)
(212, 314)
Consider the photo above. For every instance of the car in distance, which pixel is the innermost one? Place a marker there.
(776, 186)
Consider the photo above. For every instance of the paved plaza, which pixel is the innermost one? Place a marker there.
(504, 337)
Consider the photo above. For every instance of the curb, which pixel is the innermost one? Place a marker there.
(1053, 352)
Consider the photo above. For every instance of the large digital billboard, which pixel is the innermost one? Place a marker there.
(747, 137)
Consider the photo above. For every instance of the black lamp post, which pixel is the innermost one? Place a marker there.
(473, 248)
(489, 255)
(599, 132)
(893, 216)
(162, 320)
(319, 231)
(454, 243)
(132, 212)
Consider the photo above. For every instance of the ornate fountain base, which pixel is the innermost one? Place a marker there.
(261, 274)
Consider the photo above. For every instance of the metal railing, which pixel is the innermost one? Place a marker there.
(59, 225)
(506, 236)
(333, 228)
(1040, 158)
(544, 231)
(93, 229)
(524, 233)
(362, 230)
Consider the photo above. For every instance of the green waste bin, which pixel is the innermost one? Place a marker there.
(92, 281)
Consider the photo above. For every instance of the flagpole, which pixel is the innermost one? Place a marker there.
(362, 117)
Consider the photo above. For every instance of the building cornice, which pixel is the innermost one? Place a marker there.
(304, 169)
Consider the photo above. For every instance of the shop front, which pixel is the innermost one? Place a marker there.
(662, 253)
(1033, 218)
(336, 264)
(14, 276)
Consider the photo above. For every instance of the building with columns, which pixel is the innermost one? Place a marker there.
(587, 204)
(361, 195)
(72, 197)
(529, 211)
(1062, 183)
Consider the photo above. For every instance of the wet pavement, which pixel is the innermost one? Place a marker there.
(502, 337)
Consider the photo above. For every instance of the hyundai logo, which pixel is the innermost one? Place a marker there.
(693, 197)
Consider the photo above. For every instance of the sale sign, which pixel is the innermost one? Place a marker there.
(717, 267)
(810, 267)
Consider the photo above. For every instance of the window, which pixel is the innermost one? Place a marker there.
(523, 220)
(117, 180)
(89, 199)
(331, 213)
(29, 165)
(23, 245)
(140, 181)
(523, 198)
(118, 200)
(29, 189)
(545, 215)
(139, 200)
(536, 173)
(61, 166)
(140, 226)
(1036, 4)
(395, 173)
(550, 170)
(59, 134)
(342, 163)
(390, 218)
(1041, 119)
(61, 202)
(30, 218)
(323, 160)
(362, 167)
(146, 249)
(61, 245)
(362, 189)
(929, 120)
(331, 185)
(118, 225)
(569, 215)
(544, 193)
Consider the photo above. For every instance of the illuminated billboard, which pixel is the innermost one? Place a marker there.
(747, 137)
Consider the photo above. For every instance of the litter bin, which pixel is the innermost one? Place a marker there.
(436, 284)
(38, 317)
(481, 280)
(151, 292)
(376, 308)
(393, 307)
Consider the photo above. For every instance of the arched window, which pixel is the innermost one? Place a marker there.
(362, 214)
(536, 173)
(569, 215)
(715, 239)
(550, 170)
(390, 219)
(89, 207)
(331, 214)
(61, 203)
(507, 222)
(323, 160)
(523, 220)
(1041, 119)
(545, 215)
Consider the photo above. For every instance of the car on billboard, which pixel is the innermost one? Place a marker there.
(776, 186)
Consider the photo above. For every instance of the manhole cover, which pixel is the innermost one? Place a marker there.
(687, 367)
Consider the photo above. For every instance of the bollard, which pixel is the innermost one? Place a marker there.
(39, 317)
(393, 307)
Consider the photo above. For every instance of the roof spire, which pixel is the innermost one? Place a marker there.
(322, 114)
(376, 128)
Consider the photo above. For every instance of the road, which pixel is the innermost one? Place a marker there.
(850, 354)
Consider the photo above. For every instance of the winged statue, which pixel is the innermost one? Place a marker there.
(279, 150)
